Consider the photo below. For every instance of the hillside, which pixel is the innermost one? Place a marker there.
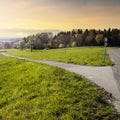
(39, 92)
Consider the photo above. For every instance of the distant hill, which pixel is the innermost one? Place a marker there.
(15, 34)
(9, 39)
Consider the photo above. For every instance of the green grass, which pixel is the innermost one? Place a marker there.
(85, 56)
(33, 91)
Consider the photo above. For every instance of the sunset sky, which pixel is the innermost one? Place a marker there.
(18, 18)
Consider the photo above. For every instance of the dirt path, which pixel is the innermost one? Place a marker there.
(102, 76)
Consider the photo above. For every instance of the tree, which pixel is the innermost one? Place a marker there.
(61, 45)
(100, 39)
(22, 45)
(7, 45)
(74, 44)
(73, 38)
(1, 45)
(31, 43)
(90, 38)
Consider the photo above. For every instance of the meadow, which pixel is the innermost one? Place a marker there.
(83, 55)
(34, 91)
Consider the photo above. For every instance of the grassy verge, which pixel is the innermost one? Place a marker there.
(32, 91)
(84, 56)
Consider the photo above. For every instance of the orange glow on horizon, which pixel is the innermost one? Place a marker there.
(36, 14)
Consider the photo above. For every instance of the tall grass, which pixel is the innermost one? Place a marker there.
(83, 55)
(32, 91)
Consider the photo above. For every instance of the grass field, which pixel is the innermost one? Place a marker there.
(85, 56)
(33, 91)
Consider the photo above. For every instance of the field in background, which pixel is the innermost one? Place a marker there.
(83, 55)
(40, 92)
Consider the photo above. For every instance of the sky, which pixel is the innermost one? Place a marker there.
(19, 18)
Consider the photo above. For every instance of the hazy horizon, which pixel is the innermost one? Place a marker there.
(19, 33)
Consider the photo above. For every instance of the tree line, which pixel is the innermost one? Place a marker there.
(74, 38)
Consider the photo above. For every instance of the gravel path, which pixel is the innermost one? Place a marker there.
(102, 76)
(115, 57)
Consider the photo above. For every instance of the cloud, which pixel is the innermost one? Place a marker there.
(31, 3)
(78, 2)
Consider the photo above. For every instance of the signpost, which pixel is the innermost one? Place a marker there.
(105, 45)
